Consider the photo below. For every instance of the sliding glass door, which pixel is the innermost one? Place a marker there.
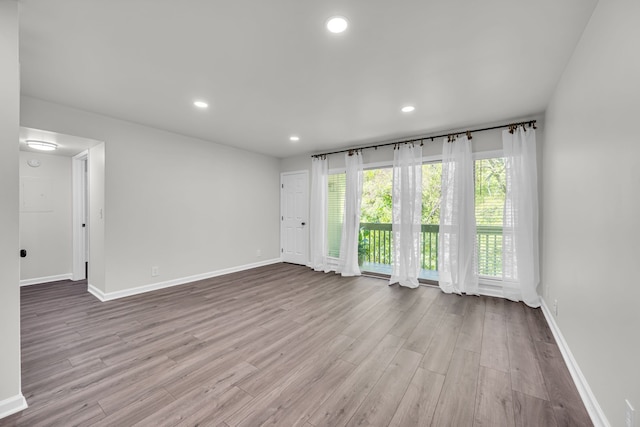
(375, 237)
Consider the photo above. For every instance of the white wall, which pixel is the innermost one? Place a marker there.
(185, 205)
(95, 172)
(45, 223)
(591, 202)
(10, 394)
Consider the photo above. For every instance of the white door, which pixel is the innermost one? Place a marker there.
(80, 233)
(294, 206)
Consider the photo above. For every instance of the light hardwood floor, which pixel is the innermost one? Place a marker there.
(283, 345)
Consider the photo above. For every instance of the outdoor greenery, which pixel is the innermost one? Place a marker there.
(491, 188)
(376, 214)
(377, 190)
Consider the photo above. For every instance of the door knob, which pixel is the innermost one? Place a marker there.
(304, 223)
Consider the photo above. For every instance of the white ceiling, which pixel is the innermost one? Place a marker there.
(269, 69)
(68, 145)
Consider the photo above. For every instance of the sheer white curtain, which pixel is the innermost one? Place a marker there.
(407, 215)
(318, 218)
(520, 256)
(348, 262)
(457, 249)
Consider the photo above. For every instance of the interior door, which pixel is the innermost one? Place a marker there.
(80, 231)
(294, 199)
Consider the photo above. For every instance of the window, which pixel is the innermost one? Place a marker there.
(431, 191)
(490, 191)
(335, 202)
(376, 220)
(374, 248)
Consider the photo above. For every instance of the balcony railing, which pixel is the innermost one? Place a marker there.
(376, 242)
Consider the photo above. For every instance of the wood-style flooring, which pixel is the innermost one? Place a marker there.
(284, 345)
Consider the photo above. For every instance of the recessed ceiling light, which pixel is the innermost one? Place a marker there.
(200, 104)
(408, 109)
(337, 24)
(294, 138)
(41, 145)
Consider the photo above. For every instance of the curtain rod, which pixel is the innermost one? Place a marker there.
(450, 135)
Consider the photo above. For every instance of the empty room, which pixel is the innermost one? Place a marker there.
(319, 213)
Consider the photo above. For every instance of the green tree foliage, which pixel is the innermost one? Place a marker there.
(490, 189)
(375, 241)
(376, 196)
(377, 190)
(431, 191)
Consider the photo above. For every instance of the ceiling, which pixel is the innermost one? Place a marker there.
(270, 69)
(68, 145)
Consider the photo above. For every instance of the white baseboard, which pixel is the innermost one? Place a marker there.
(593, 408)
(96, 292)
(47, 279)
(108, 296)
(12, 405)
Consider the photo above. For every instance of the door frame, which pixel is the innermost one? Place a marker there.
(282, 175)
(80, 194)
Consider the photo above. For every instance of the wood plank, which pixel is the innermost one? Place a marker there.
(359, 350)
(215, 409)
(203, 406)
(530, 411)
(526, 375)
(137, 409)
(470, 335)
(358, 327)
(538, 327)
(455, 406)
(297, 410)
(406, 325)
(495, 305)
(516, 318)
(382, 402)
(425, 330)
(563, 394)
(494, 406)
(320, 354)
(288, 388)
(441, 347)
(419, 401)
(347, 397)
(495, 348)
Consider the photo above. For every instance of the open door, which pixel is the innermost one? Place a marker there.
(80, 223)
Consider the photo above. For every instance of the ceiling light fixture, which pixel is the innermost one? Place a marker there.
(41, 145)
(200, 104)
(294, 138)
(337, 24)
(408, 109)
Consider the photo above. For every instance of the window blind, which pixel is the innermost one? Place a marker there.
(335, 215)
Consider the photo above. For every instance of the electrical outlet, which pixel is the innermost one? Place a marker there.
(259, 252)
(154, 271)
(555, 307)
(629, 414)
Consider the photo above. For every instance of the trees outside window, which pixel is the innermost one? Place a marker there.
(376, 216)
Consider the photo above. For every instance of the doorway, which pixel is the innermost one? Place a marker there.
(56, 188)
(80, 223)
(294, 208)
